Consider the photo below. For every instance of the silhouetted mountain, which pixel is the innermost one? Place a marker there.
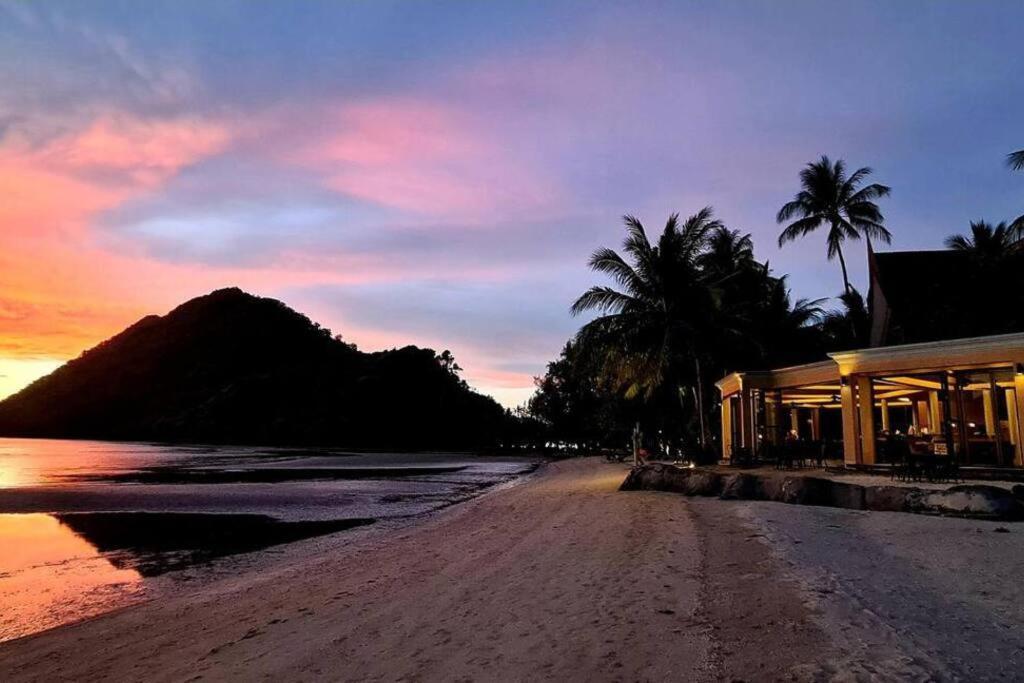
(230, 367)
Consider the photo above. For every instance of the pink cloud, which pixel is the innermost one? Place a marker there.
(422, 157)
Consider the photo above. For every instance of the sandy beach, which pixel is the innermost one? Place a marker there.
(561, 577)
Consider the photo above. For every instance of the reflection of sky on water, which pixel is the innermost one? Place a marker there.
(50, 576)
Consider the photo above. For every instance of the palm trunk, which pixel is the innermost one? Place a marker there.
(842, 264)
(700, 404)
(636, 444)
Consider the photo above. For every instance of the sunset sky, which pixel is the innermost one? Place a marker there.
(438, 172)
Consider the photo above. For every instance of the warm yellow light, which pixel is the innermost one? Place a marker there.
(18, 373)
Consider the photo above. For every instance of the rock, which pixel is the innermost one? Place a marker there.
(805, 491)
(981, 502)
(888, 498)
(847, 496)
(739, 487)
(971, 500)
(703, 483)
(656, 477)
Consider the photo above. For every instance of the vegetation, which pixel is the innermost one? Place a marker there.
(1015, 160)
(684, 309)
(230, 367)
(828, 197)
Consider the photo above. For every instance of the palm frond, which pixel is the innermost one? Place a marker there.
(800, 228)
(603, 299)
(1015, 160)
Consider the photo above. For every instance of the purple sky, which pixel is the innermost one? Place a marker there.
(438, 173)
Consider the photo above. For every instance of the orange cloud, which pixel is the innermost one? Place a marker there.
(56, 284)
(147, 151)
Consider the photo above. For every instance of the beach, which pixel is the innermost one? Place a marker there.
(561, 577)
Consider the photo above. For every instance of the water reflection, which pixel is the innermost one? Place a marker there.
(49, 576)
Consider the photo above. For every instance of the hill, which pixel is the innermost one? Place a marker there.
(230, 367)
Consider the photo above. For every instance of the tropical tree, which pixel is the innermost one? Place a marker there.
(1015, 160)
(655, 324)
(849, 327)
(829, 197)
(987, 243)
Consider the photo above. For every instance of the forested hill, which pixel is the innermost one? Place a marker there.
(230, 367)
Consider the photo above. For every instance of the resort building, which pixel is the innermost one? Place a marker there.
(960, 398)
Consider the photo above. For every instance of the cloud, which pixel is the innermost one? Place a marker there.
(423, 157)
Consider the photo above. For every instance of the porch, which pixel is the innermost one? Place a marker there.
(958, 402)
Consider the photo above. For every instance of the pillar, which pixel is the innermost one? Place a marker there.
(746, 419)
(991, 428)
(885, 416)
(866, 422)
(851, 444)
(934, 413)
(794, 420)
(772, 416)
(726, 427)
(1018, 403)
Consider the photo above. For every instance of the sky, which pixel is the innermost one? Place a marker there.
(437, 173)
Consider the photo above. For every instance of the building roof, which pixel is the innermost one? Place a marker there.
(916, 295)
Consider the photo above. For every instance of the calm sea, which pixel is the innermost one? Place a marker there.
(89, 526)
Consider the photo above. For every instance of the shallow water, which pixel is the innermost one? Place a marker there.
(89, 526)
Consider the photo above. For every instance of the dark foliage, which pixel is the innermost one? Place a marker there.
(686, 309)
(230, 367)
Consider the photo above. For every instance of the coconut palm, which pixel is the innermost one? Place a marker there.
(988, 243)
(653, 323)
(831, 198)
(1015, 160)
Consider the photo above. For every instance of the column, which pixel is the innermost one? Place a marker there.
(772, 416)
(746, 408)
(851, 443)
(866, 414)
(991, 428)
(934, 413)
(726, 427)
(1018, 403)
(885, 416)
(815, 423)
(794, 420)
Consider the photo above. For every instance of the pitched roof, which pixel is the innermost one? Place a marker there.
(934, 295)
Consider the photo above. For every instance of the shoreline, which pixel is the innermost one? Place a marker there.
(188, 554)
(559, 576)
(492, 575)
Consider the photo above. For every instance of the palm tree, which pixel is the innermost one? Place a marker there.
(1015, 160)
(989, 243)
(652, 326)
(830, 197)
